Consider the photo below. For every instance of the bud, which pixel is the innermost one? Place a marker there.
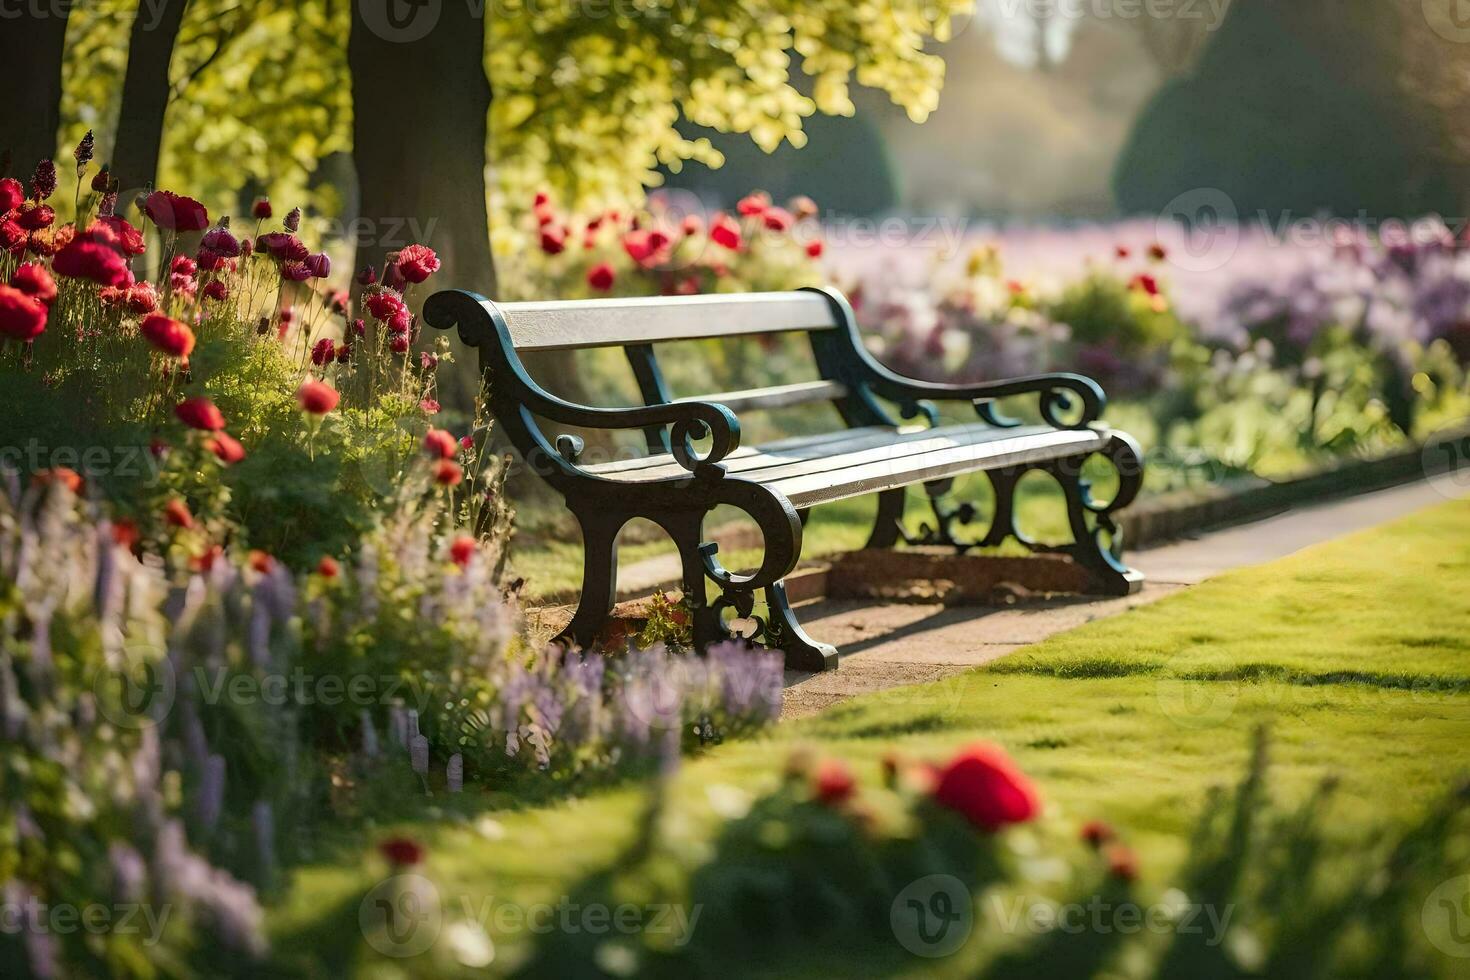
(293, 220)
(83, 152)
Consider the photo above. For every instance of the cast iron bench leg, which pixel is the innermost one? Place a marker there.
(599, 574)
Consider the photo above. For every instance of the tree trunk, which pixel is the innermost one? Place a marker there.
(31, 45)
(145, 93)
(421, 102)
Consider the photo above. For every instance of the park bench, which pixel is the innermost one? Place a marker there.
(870, 452)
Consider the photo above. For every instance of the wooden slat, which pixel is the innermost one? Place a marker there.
(777, 396)
(793, 447)
(563, 324)
(852, 481)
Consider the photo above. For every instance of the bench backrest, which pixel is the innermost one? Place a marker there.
(570, 324)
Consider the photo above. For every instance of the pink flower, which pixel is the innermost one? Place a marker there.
(33, 279)
(226, 447)
(22, 317)
(183, 266)
(400, 322)
(438, 442)
(417, 263)
(803, 206)
(118, 233)
(168, 336)
(84, 259)
(317, 397)
(429, 406)
(600, 277)
(175, 212)
(777, 219)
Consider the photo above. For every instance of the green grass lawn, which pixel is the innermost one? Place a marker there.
(1355, 653)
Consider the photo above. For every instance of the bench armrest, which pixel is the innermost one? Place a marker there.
(482, 326)
(848, 360)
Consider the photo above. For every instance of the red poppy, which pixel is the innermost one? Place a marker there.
(176, 514)
(814, 248)
(22, 317)
(59, 476)
(401, 851)
(200, 413)
(447, 473)
(35, 281)
(833, 783)
(754, 203)
(1122, 862)
(725, 231)
(439, 443)
(417, 263)
(226, 447)
(1096, 833)
(600, 277)
(11, 194)
(553, 239)
(168, 335)
(83, 259)
(462, 549)
(118, 233)
(983, 785)
(383, 304)
(777, 219)
(328, 567)
(317, 397)
(175, 212)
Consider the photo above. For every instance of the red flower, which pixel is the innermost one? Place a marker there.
(368, 276)
(447, 473)
(319, 264)
(429, 406)
(184, 285)
(295, 271)
(400, 322)
(646, 246)
(124, 533)
(399, 344)
(59, 476)
(754, 203)
(439, 443)
(1145, 283)
(175, 211)
(328, 567)
(725, 231)
(12, 235)
(384, 303)
(553, 239)
(84, 259)
(211, 261)
(11, 194)
(983, 785)
(777, 219)
(199, 413)
(401, 851)
(22, 317)
(814, 248)
(226, 447)
(204, 561)
(117, 232)
(217, 289)
(1096, 833)
(323, 351)
(35, 281)
(259, 560)
(1122, 251)
(142, 298)
(261, 209)
(1122, 862)
(221, 241)
(43, 181)
(282, 246)
(317, 397)
(176, 514)
(833, 783)
(462, 549)
(169, 336)
(417, 263)
(33, 217)
(600, 277)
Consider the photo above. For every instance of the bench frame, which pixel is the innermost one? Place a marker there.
(853, 381)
